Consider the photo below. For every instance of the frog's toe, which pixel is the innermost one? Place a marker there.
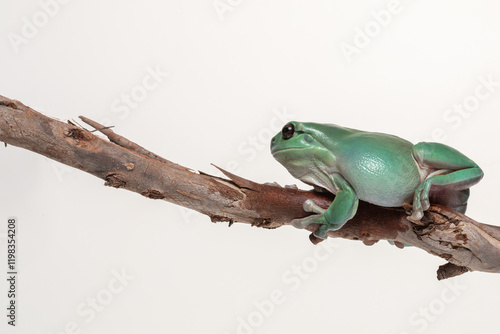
(425, 202)
(324, 228)
(417, 214)
(310, 206)
(299, 223)
(312, 219)
(398, 244)
(321, 232)
(314, 239)
(417, 211)
(304, 222)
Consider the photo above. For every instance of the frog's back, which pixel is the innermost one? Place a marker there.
(380, 167)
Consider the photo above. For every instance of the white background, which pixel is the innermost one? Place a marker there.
(236, 74)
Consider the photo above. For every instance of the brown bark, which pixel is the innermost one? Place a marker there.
(466, 244)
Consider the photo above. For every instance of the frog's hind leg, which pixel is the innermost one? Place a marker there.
(455, 199)
(454, 174)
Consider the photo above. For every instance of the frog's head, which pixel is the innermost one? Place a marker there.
(299, 138)
(300, 146)
(293, 139)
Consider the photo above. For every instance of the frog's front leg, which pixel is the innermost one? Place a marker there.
(455, 173)
(343, 208)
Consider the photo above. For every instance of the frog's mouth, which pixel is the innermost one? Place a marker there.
(278, 150)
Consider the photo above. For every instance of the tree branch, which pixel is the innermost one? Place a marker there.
(467, 245)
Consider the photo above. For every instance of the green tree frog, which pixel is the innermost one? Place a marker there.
(378, 168)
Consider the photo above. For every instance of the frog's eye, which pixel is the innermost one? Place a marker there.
(288, 131)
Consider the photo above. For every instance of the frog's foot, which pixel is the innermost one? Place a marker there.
(420, 201)
(318, 218)
(305, 222)
(310, 206)
(323, 229)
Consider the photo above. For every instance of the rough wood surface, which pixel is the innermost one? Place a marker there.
(465, 244)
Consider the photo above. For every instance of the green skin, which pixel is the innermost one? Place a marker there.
(378, 168)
